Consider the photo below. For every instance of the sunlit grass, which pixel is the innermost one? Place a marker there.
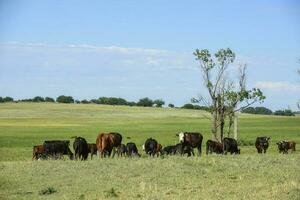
(245, 176)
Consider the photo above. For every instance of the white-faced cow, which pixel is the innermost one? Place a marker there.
(192, 139)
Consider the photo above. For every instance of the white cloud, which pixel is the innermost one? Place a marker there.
(63, 56)
(280, 86)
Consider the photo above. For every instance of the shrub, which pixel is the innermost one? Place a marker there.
(84, 101)
(258, 110)
(65, 99)
(47, 191)
(263, 111)
(38, 99)
(286, 112)
(110, 193)
(145, 102)
(188, 106)
(6, 99)
(112, 101)
(131, 103)
(49, 99)
(158, 103)
(171, 105)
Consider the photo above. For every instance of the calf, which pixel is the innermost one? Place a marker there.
(169, 150)
(57, 148)
(182, 149)
(284, 146)
(132, 150)
(37, 151)
(121, 150)
(92, 149)
(230, 145)
(262, 144)
(214, 147)
(159, 150)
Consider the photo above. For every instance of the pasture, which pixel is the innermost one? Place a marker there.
(245, 176)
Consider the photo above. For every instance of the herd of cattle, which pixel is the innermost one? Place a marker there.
(109, 144)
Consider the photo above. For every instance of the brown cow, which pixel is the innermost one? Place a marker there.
(92, 149)
(106, 142)
(37, 151)
(214, 147)
(284, 146)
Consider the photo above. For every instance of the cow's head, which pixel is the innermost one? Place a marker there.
(181, 137)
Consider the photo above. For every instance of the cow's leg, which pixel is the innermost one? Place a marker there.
(34, 156)
(114, 152)
(294, 148)
(199, 150)
(189, 154)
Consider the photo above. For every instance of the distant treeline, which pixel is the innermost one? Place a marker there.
(266, 111)
(144, 102)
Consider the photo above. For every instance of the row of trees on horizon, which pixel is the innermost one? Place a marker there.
(143, 102)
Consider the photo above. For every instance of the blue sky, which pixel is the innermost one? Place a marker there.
(134, 49)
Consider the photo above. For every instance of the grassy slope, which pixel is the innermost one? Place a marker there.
(247, 176)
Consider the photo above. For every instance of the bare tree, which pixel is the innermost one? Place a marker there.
(224, 97)
(213, 79)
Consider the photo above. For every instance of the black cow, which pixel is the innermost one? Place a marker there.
(57, 148)
(192, 139)
(214, 147)
(121, 150)
(230, 145)
(262, 144)
(81, 148)
(132, 150)
(150, 146)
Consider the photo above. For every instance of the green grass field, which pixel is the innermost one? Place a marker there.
(245, 176)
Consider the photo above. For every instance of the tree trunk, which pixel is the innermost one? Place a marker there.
(214, 126)
(222, 129)
(230, 123)
(214, 121)
(235, 127)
